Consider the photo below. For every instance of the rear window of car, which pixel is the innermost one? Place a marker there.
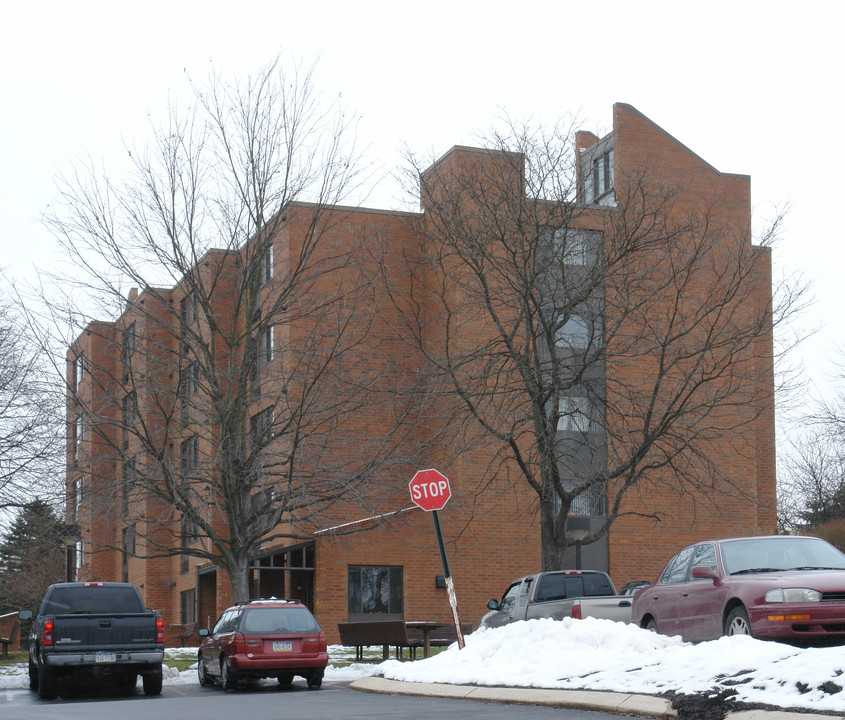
(278, 620)
(560, 586)
(95, 600)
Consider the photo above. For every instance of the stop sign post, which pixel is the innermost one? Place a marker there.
(430, 491)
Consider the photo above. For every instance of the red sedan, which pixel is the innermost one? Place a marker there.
(780, 587)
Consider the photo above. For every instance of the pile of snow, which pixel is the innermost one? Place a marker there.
(596, 654)
(600, 655)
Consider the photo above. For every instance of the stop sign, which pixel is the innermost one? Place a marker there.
(430, 489)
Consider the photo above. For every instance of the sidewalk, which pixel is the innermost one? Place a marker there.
(641, 705)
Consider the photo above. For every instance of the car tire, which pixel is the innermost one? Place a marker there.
(33, 676)
(737, 622)
(48, 685)
(152, 682)
(315, 680)
(202, 675)
(285, 680)
(228, 677)
(651, 625)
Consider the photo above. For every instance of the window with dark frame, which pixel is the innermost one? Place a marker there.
(128, 350)
(129, 477)
(129, 411)
(188, 606)
(189, 534)
(189, 457)
(189, 387)
(188, 316)
(375, 591)
(261, 427)
(78, 371)
(266, 266)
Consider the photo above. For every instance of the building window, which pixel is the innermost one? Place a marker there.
(189, 457)
(128, 350)
(263, 356)
(375, 592)
(188, 309)
(79, 436)
(129, 536)
(189, 388)
(189, 534)
(78, 371)
(602, 174)
(129, 478)
(579, 414)
(188, 316)
(261, 427)
(129, 411)
(266, 266)
(597, 173)
(574, 334)
(591, 502)
(188, 607)
(77, 498)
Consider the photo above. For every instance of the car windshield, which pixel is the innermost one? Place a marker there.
(776, 554)
(278, 620)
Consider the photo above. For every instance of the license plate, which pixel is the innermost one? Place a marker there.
(105, 657)
(282, 646)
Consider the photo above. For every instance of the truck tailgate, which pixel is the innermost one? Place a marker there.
(76, 632)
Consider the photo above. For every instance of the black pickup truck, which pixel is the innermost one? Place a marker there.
(99, 629)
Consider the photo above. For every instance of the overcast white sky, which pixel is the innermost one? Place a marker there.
(752, 87)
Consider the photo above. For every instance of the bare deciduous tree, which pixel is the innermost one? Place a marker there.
(31, 438)
(235, 368)
(594, 347)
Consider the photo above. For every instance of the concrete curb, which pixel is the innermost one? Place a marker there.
(584, 699)
(623, 703)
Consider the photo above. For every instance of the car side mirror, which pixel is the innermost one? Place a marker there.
(25, 615)
(492, 604)
(702, 572)
(203, 632)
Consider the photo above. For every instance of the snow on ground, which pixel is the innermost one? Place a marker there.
(597, 655)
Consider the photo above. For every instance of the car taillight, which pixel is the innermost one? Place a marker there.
(93, 584)
(576, 610)
(241, 644)
(318, 640)
(47, 632)
(159, 628)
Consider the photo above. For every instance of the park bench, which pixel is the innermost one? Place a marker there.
(446, 635)
(387, 633)
(183, 632)
(7, 640)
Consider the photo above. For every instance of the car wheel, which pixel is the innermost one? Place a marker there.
(202, 675)
(228, 678)
(315, 680)
(651, 625)
(48, 686)
(33, 676)
(285, 680)
(737, 622)
(152, 682)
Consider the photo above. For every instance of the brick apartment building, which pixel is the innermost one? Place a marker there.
(117, 369)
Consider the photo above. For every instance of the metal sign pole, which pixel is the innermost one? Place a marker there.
(450, 587)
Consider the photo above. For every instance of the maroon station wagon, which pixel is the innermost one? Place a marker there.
(263, 639)
(783, 587)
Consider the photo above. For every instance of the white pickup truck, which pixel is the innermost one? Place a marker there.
(557, 595)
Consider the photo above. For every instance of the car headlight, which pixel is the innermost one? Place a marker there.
(793, 595)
